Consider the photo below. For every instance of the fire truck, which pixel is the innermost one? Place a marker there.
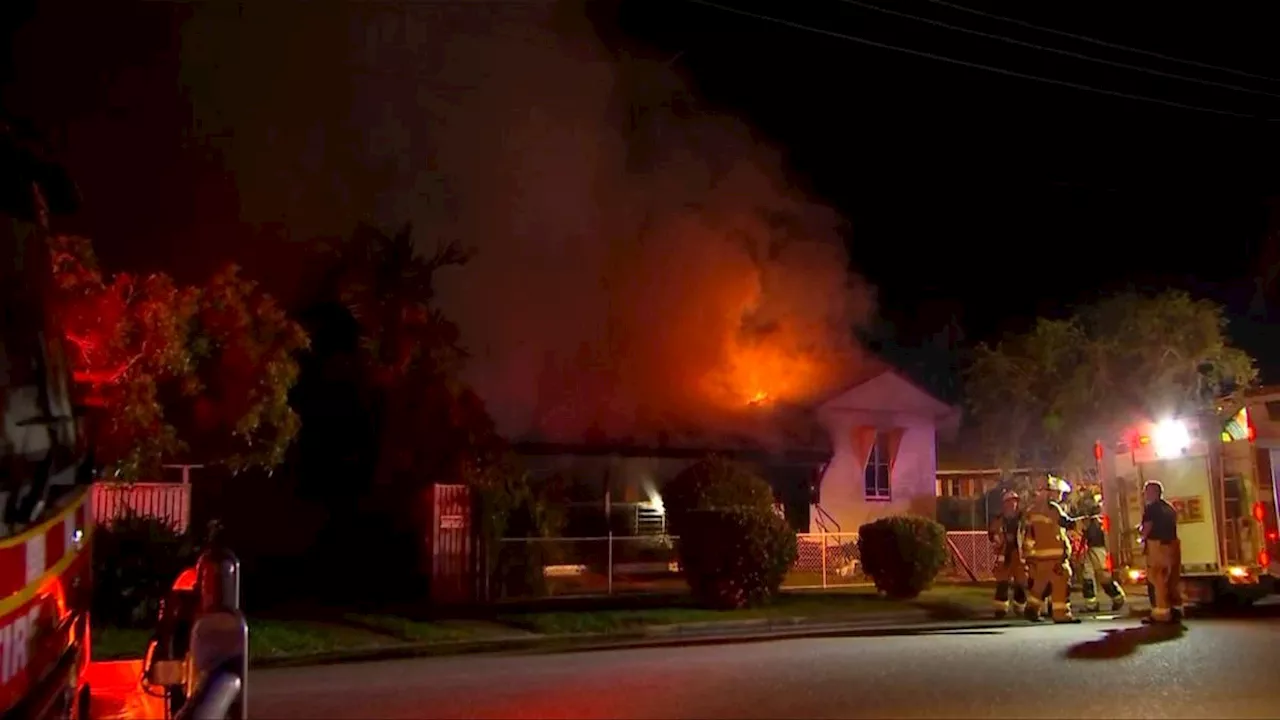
(45, 471)
(1225, 506)
(197, 659)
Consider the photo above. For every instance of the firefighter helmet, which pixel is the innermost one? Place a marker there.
(1055, 484)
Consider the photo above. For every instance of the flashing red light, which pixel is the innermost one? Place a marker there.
(1106, 523)
(1097, 451)
(1111, 565)
(1273, 535)
(1264, 558)
(186, 580)
(1259, 512)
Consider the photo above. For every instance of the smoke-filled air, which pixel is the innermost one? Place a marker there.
(642, 264)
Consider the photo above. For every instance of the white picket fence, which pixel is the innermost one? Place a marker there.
(166, 501)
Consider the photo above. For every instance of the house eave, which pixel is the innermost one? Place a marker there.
(631, 450)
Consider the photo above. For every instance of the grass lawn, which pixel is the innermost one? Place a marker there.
(279, 637)
(814, 580)
(831, 603)
(272, 637)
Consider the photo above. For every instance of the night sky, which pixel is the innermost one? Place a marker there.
(1009, 197)
(969, 195)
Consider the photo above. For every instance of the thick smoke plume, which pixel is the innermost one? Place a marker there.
(642, 265)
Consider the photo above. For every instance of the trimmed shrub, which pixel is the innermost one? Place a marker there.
(736, 557)
(714, 483)
(526, 511)
(902, 553)
(135, 562)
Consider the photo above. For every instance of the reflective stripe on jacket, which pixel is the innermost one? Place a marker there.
(1045, 537)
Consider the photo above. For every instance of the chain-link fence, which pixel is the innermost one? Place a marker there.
(971, 557)
(825, 560)
(605, 565)
(608, 565)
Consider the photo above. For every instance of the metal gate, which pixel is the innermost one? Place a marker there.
(451, 545)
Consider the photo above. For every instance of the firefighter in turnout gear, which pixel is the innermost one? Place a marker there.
(1047, 549)
(1005, 533)
(1096, 574)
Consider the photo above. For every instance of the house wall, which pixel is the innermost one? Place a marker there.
(912, 473)
(887, 403)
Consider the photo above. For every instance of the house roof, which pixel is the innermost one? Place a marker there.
(877, 370)
(632, 448)
(781, 430)
(793, 432)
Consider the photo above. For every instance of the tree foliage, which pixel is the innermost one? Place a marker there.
(389, 288)
(1043, 397)
(171, 367)
(427, 422)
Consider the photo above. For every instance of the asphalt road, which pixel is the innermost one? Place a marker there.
(1214, 668)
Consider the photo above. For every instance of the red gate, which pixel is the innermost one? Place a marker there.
(451, 545)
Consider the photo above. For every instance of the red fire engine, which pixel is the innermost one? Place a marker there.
(45, 520)
(198, 658)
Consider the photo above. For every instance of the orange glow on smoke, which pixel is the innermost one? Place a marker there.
(740, 331)
(764, 371)
(710, 320)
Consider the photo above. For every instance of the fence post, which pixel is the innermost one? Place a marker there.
(610, 562)
(824, 561)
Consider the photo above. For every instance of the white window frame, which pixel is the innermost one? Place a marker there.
(878, 461)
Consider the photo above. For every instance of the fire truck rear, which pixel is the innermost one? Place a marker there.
(1211, 477)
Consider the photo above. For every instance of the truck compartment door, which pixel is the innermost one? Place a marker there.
(1188, 488)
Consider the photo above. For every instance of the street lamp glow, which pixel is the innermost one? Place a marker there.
(1170, 438)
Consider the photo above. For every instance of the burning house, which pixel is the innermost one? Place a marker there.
(863, 453)
(651, 281)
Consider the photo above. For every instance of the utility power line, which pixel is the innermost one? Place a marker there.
(978, 66)
(1058, 51)
(1103, 43)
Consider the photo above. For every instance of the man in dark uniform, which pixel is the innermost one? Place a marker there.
(1164, 555)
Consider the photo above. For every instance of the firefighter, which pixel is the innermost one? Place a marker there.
(1046, 549)
(1005, 533)
(1094, 570)
(1164, 555)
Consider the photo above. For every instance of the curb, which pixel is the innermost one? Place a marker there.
(688, 634)
(777, 624)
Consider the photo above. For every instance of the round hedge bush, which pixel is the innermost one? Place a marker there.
(714, 483)
(902, 554)
(735, 557)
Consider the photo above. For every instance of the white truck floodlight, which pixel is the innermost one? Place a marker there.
(1170, 438)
